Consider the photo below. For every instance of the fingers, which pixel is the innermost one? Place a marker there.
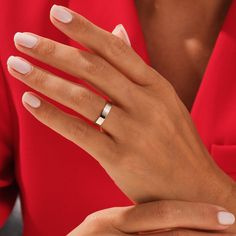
(172, 214)
(188, 233)
(162, 218)
(111, 48)
(94, 142)
(76, 97)
(78, 63)
(67, 93)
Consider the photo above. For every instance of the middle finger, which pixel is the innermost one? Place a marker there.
(78, 63)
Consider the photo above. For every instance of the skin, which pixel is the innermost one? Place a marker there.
(154, 218)
(181, 51)
(167, 120)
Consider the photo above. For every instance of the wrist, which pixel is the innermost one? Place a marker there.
(221, 191)
(220, 187)
(214, 186)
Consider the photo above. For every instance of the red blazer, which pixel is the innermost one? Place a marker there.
(214, 110)
(59, 184)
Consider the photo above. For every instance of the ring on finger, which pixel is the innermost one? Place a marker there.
(106, 110)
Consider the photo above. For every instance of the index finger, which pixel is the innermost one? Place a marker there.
(108, 46)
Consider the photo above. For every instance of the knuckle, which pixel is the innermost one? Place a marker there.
(93, 64)
(162, 85)
(46, 48)
(80, 96)
(93, 218)
(39, 78)
(133, 93)
(117, 46)
(78, 131)
(166, 211)
(122, 215)
(95, 222)
(91, 67)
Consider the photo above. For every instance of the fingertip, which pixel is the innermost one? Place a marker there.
(121, 32)
(30, 100)
(61, 14)
(225, 218)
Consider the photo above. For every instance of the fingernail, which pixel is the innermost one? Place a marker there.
(226, 218)
(25, 40)
(19, 65)
(31, 100)
(120, 32)
(61, 14)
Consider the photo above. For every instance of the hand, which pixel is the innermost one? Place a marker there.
(148, 143)
(163, 218)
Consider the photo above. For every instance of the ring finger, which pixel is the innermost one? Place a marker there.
(97, 144)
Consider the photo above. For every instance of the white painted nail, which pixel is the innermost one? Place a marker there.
(61, 14)
(226, 218)
(25, 40)
(19, 65)
(31, 100)
(121, 32)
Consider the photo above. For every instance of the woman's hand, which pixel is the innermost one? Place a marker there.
(163, 218)
(148, 143)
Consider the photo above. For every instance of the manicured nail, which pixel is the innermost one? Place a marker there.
(120, 32)
(226, 218)
(19, 65)
(61, 14)
(25, 40)
(31, 100)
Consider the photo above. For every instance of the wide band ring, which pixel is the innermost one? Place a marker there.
(106, 110)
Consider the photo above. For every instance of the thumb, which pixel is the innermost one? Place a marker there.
(120, 32)
(159, 215)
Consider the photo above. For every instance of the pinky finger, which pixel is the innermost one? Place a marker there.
(94, 142)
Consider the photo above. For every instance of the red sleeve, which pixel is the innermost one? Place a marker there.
(8, 189)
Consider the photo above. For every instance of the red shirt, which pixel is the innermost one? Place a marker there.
(59, 183)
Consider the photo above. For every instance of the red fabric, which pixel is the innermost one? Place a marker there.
(214, 111)
(59, 183)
